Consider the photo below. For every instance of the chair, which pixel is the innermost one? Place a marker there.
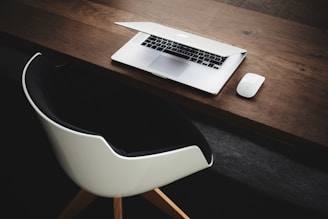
(112, 142)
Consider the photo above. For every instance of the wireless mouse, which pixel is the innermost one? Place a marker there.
(250, 84)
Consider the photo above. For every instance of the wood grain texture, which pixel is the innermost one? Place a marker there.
(159, 199)
(310, 12)
(292, 104)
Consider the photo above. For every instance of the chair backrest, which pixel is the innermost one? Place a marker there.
(89, 159)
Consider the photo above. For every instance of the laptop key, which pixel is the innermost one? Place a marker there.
(176, 53)
(185, 52)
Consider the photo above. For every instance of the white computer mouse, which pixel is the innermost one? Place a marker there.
(250, 84)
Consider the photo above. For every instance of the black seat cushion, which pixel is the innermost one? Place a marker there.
(133, 122)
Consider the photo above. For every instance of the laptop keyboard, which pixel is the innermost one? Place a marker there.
(195, 55)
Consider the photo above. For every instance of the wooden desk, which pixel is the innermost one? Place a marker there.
(292, 105)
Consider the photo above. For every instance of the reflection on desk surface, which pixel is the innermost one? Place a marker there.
(289, 49)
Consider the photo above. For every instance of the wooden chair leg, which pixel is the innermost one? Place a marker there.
(160, 200)
(79, 202)
(118, 208)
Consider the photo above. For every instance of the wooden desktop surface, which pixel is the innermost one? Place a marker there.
(291, 106)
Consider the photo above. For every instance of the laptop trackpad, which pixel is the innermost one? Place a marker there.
(168, 65)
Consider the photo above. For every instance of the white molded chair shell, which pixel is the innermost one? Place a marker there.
(92, 163)
(97, 168)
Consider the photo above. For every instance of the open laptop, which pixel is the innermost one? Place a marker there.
(183, 57)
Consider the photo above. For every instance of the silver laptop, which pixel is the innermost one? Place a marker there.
(183, 57)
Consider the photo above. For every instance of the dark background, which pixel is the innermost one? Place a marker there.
(252, 177)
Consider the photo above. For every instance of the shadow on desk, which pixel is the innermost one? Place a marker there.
(240, 185)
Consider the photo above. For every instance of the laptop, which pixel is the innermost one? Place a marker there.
(183, 57)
